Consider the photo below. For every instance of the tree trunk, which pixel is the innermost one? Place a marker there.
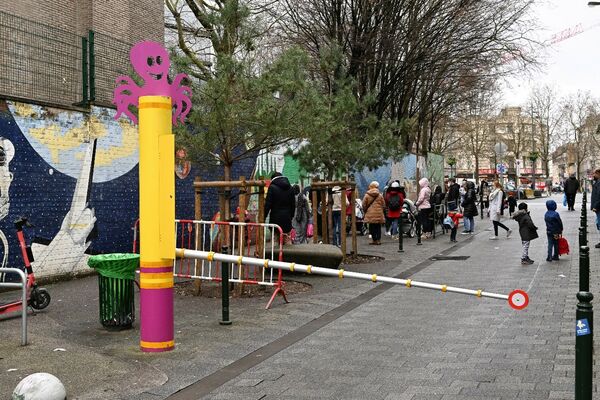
(477, 169)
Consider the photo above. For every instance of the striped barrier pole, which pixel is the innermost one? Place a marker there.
(517, 299)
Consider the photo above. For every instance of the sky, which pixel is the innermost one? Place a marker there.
(570, 65)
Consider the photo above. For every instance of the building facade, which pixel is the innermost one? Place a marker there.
(506, 142)
(65, 162)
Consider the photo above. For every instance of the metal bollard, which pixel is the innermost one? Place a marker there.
(419, 232)
(582, 237)
(584, 269)
(225, 289)
(584, 346)
(400, 236)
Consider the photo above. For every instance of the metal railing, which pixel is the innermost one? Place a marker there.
(23, 286)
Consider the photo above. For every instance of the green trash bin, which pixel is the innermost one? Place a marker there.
(115, 288)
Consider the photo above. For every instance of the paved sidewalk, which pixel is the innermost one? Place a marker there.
(343, 339)
(418, 344)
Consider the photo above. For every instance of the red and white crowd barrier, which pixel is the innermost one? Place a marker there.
(243, 239)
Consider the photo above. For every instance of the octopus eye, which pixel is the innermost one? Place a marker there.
(150, 61)
(159, 60)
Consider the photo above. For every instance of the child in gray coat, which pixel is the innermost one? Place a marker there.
(527, 230)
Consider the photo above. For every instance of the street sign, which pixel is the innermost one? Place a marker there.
(583, 327)
(518, 299)
(501, 168)
(500, 148)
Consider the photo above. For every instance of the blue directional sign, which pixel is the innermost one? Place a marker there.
(583, 327)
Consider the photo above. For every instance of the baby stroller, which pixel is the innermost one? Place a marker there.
(408, 218)
(361, 225)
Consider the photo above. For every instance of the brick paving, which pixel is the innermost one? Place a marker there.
(344, 339)
(419, 344)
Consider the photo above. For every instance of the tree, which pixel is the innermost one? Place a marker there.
(240, 106)
(544, 103)
(478, 133)
(581, 113)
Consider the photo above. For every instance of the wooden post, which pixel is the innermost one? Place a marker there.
(352, 202)
(324, 219)
(261, 218)
(241, 231)
(315, 204)
(343, 224)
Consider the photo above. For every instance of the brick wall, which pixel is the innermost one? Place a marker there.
(41, 47)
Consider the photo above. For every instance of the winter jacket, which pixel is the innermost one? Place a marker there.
(470, 202)
(373, 205)
(392, 192)
(595, 200)
(424, 195)
(454, 192)
(571, 185)
(495, 204)
(527, 228)
(553, 222)
(280, 204)
(484, 191)
(455, 218)
(337, 200)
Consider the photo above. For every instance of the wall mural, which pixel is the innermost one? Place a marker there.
(74, 175)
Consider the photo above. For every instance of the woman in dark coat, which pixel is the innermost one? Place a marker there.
(469, 206)
(280, 204)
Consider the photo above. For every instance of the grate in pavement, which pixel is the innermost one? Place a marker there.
(451, 258)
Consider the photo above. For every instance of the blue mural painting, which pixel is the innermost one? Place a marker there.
(76, 179)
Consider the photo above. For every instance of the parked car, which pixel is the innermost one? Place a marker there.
(520, 192)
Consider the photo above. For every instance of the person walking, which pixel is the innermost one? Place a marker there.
(301, 216)
(495, 204)
(554, 229)
(571, 189)
(484, 197)
(527, 231)
(595, 200)
(453, 195)
(336, 211)
(373, 205)
(469, 206)
(280, 204)
(424, 206)
(394, 199)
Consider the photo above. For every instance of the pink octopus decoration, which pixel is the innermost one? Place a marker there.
(151, 62)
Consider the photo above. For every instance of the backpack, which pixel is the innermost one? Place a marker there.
(448, 223)
(394, 202)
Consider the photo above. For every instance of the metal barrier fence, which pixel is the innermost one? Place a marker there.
(23, 306)
(244, 239)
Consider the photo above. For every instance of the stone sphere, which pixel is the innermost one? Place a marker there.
(40, 386)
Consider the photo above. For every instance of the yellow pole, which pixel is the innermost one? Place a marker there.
(157, 223)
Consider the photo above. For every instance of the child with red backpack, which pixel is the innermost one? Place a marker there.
(394, 199)
(451, 222)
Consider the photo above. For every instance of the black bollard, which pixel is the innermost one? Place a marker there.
(584, 346)
(225, 289)
(400, 236)
(584, 269)
(419, 232)
(582, 237)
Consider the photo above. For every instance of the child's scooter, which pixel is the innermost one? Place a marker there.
(37, 298)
